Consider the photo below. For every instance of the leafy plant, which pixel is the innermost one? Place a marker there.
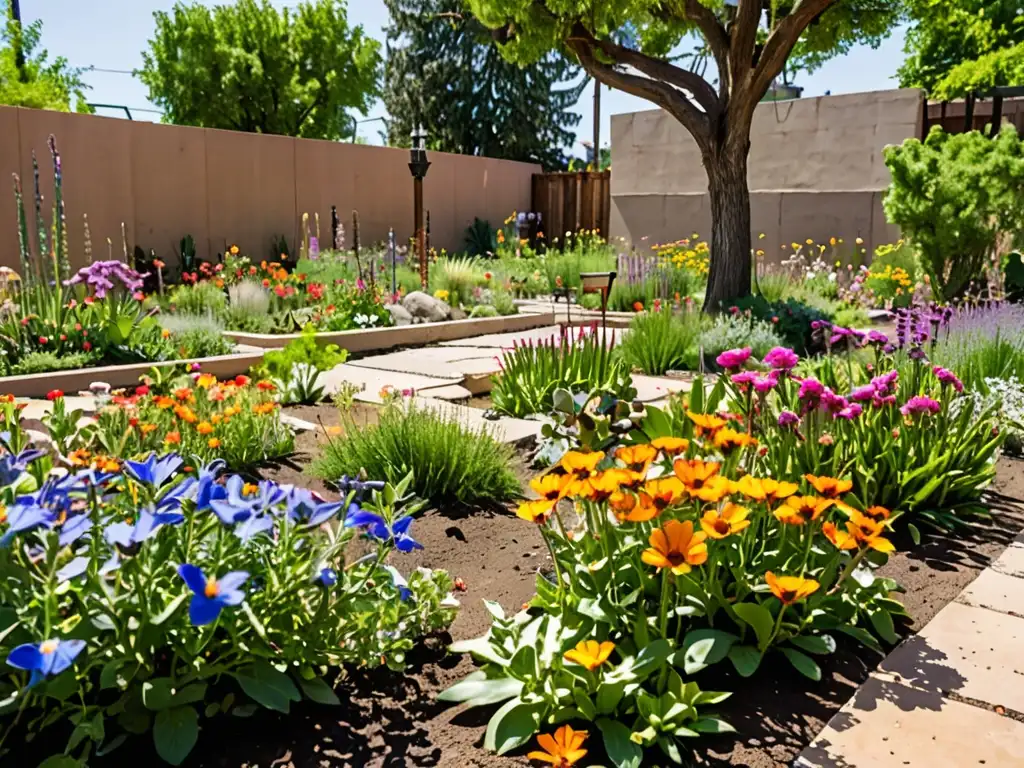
(297, 367)
(451, 463)
(199, 299)
(793, 320)
(481, 239)
(729, 331)
(42, 362)
(248, 308)
(662, 341)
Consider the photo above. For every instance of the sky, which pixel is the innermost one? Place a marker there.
(111, 34)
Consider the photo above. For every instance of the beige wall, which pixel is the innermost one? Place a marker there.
(224, 187)
(815, 170)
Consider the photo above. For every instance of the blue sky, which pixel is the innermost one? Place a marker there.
(111, 34)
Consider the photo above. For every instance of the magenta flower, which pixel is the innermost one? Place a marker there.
(864, 394)
(832, 402)
(850, 412)
(920, 404)
(744, 377)
(881, 402)
(765, 384)
(886, 383)
(811, 389)
(733, 358)
(946, 377)
(782, 358)
(877, 337)
(788, 419)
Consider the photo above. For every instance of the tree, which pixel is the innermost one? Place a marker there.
(749, 42)
(444, 72)
(28, 79)
(970, 41)
(248, 67)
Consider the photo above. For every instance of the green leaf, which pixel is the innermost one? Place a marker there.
(621, 750)
(495, 609)
(319, 691)
(704, 647)
(882, 622)
(803, 663)
(156, 693)
(511, 726)
(608, 696)
(584, 704)
(175, 733)
(822, 645)
(256, 624)
(266, 686)
(712, 725)
(62, 686)
(745, 658)
(482, 691)
(168, 611)
(135, 720)
(481, 648)
(61, 761)
(759, 618)
(860, 635)
(189, 694)
(915, 534)
(108, 675)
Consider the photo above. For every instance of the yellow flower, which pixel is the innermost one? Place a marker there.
(671, 446)
(732, 519)
(204, 428)
(801, 509)
(677, 547)
(213, 442)
(790, 589)
(206, 380)
(637, 457)
(590, 654)
(441, 294)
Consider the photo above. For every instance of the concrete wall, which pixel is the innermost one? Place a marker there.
(815, 170)
(224, 187)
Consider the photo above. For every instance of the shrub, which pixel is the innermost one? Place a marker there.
(199, 335)
(481, 239)
(530, 372)
(451, 464)
(248, 308)
(728, 331)
(296, 368)
(503, 303)
(661, 341)
(775, 287)
(793, 320)
(202, 298)
(952, 196)
(168, 596)
(1006, 397)
(43, 362)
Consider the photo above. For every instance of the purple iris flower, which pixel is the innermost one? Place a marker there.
(149, 522)
(154, 471)
(377, 527)
(100, 277)
(211, 596)
(45, 659)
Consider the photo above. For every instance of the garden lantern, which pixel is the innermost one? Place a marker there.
(418, 165)
(598, 282)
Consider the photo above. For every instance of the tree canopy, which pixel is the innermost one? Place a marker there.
(955, 46)
(250, 67)
(34, 81)
(444, 72)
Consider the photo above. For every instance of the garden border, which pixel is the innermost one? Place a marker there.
(374, 339)
(38, 384)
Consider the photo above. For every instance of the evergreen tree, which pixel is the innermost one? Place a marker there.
(444, 72)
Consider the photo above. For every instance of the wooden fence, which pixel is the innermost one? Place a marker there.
(568, 202)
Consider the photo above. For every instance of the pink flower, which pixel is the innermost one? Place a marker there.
(744, 377)
(881, 402)
(832, 402)
(811, 389)
(782, 358)
(788, 419)
(850, 412)
(886, 383)
(947, 377)
(766, 384)
(920, 404)
(733, 358)
(863, 394)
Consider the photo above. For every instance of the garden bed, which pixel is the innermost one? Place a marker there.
(372, 339)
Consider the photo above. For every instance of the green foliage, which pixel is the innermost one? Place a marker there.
(791, 319)
(444, 72)
(1004, 66)
(37, 83)
(451, 464)
(481, 238)
(297, 367)
(738, 331)
(952, 196)
(248, 67)
(41, 362)
(199, 299)
(199, 335)
(248, 308)
(530, 373)
(662, 341)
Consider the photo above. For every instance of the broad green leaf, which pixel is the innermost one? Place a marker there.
(266, 686)
(803, 663)
(608, 696)
(61, 761)
(621, 750)
(583, 703)
(157, 693)
(482, 691)
(319, 691)
(512, 726)
(822, 645)
(169, 610)
(882, 622)
(704, 647)
(860, 635)
(745, 658)
(712, 725)
(175, 733)
(915, 534)
(482, 648)
(759, 618)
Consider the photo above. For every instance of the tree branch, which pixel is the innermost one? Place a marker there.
(781, 41)
(743, 36)
(718, 39)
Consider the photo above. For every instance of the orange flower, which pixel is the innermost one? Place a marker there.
(694, 473)
(261, 409)
(727, 439)
(637, 457)
(868, 531)
(829, 487)
(184, 394)
(706, 422)
(536, 511)
(106, 464)
(165, 334)
(550, 486)
(677, 547)
(185, 413)
(630, 508)
(213, 442)
(266, 386)
(599, 486)
(163, 402)
(664, 491)
(79, 458)
(840, 539)
(147, 428)
(241, 381)
(732, 519)
(801, 509)
(877, 513)
(206, 380)
(765, 489)
(671, 446)
(790, 589)
(563, 749)
(217, 418)
(590, 653)
(173, 438)
(581, 464)
(204, 428)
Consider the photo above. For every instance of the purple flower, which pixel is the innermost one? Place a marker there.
(877, 337)
(881, 402)
(744, 377)
(48, 658)
(863, 394)
(920, 404)
(377, 527)
(886, 383)
(733, 358)
(917, 353)
(765, 384)
(850, 412)
(947, 377)
(788, 419)
(832, 402)
(211, 596)
(782, 358)
(100, 277)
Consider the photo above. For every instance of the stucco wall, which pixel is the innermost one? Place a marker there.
(815, 170)
(225, 187)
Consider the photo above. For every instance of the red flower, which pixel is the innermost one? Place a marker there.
(53, 394)
(138, 295)
(87, 346)
(78, 326)
(24, 321)
(63, 337)
(89, 300)
(43, 340)
(143, 390)
(241, 380)
(133, 422)
(266, 283)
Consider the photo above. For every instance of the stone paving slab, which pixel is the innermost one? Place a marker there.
(373, 381)
(36, 409)
(506, 340)
(505, 429)
(995, 591)
(1011, 563)
(657, 388)
(886, 725)
(450, 363)
(972, 652)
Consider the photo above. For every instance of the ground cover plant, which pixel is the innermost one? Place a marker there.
(151, 597)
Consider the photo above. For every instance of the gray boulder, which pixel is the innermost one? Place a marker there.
(399, 314)
(425, 308)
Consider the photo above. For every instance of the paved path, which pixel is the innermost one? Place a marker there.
(951, 696)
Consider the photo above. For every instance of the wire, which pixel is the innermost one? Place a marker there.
(111, 71)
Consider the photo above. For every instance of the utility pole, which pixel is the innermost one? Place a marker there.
(597, 124)
(19, 52)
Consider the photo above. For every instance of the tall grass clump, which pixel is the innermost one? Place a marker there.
(452, 464)
(661, 341)
(458, 275)
(980, 342)
(530, 373)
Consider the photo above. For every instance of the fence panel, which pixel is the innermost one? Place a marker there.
(569, 202)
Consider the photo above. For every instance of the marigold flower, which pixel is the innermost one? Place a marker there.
(563, 749)
(206, 380)
(590, 653)
(172, 438)
(265, 386)
(829, 487)
(535, 511)
(106, 464)
(706, 422)
(213, 442)
(731, 519)
(79, 458)
(671, 446)
(184, 394)
(262, 409)
(727, 440)
(204, 428)
(166, 334)
(637, 457)
(163, 402)
(790, 589)
(185, 413)
(798, 510)
(677, 547)
(147, 428)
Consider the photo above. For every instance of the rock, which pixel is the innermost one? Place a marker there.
(457, 314)
(399, 314)
(425, 308)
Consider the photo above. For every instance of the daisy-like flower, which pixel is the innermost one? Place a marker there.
(798, 510)
(790, 589)
(563, 749)
(664, 492)
(632, 508)
(727, 440)
(731, 519)
(590, 654)
(861, 531)
(706, 422)
(671, 446)
(211, 596)
(829, 487)
(675, 546)
(765, 489)
(637, 457)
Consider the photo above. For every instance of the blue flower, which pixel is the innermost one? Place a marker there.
(211, 595)
(303, 504)
(154, 471)
(147, 524)
(74, 528)
(328, 577)
(25, 517)
(239, 505)
(73, 569)
(12, 465)
(404, 593)
(50, 657)
(253, 525)
(377, 527)
(359, 487)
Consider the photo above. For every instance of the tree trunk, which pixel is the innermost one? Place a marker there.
(729, 275)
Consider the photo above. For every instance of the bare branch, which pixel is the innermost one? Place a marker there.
(781, 41)
(718, 39)
(743, 36)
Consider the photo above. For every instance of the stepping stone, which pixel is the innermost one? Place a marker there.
(451, 363)
(299, 425)
(374, 380)
(1011, 563)
(506, 340)
(655, 388)
(995, 591)
(887, 725)
(36, 409)
(972, 652)
(448, 392)
(505, 429)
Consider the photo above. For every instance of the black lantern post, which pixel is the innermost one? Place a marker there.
(418, 165)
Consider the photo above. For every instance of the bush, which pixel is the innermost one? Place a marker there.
(202, 298)
(729, 332)
(296, 368)
(184, 598)
(451, 464)
(43, 362)
(248, 308)
(792, 319)
(199, 335)
(531, 373)
(952, 196)
(661, 341)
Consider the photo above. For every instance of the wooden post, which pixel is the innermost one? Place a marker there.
(421, 233)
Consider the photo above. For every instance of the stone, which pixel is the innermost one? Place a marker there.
(507, 430)
(298, 425)
(656, 388)
(1011, 563)
(995, 591)
(399, 314)
(426, 308)
(457, 314)
(373, 381)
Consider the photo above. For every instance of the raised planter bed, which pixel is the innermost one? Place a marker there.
(38, 384)
(373, 339)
